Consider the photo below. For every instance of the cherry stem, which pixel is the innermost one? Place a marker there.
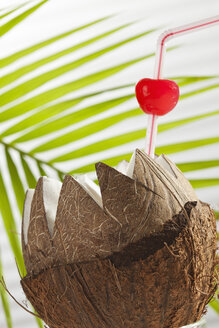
(164, 37)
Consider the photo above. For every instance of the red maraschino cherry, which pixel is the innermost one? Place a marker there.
(157, 97)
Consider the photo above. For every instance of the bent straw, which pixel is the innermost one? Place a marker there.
(160, 51)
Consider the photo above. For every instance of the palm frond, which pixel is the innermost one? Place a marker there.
(10, 10)
(62, 90)
(38, 81)
(215, 305)
(10, 225)
(203, 183)
(31, 180)
(13, 76)
(117, 140)
(4, 299)
(199, 165)
(13, 22)
(42, 114)
(5, 61)
(16, 180)
(114, 160)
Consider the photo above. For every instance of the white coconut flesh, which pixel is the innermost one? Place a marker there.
(92, 189)
(26, 214)
(52, 189)
(51, 192)
(162, 162)
(127, 168)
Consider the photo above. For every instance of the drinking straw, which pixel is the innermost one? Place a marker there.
(159, 59)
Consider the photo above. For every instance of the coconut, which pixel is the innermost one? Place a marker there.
(138, 252)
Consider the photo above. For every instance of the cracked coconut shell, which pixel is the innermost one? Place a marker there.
(145, 259)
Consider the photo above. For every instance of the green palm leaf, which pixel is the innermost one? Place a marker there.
(73, 118)
(62, 90)
(4, 299)
(10, 225)
(43, 114)
(5, 206)
(13, 22)
(181, 146)
(167, 149)
(16, 180)
(8, 11)
(198, 91)
(203, 183)
(38, 81)
(67, 120)
(118, 140)
(41, 170)
(27, 51)
(11, 77)
(185, 80)
(31, 180)
(199, 165)
(215, 304)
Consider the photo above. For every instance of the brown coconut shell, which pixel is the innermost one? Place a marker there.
(147, 259)
(38, 252)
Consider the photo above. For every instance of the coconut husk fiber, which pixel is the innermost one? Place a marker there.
(146, 259)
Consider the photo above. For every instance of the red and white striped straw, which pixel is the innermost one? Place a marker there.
(159, 59)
